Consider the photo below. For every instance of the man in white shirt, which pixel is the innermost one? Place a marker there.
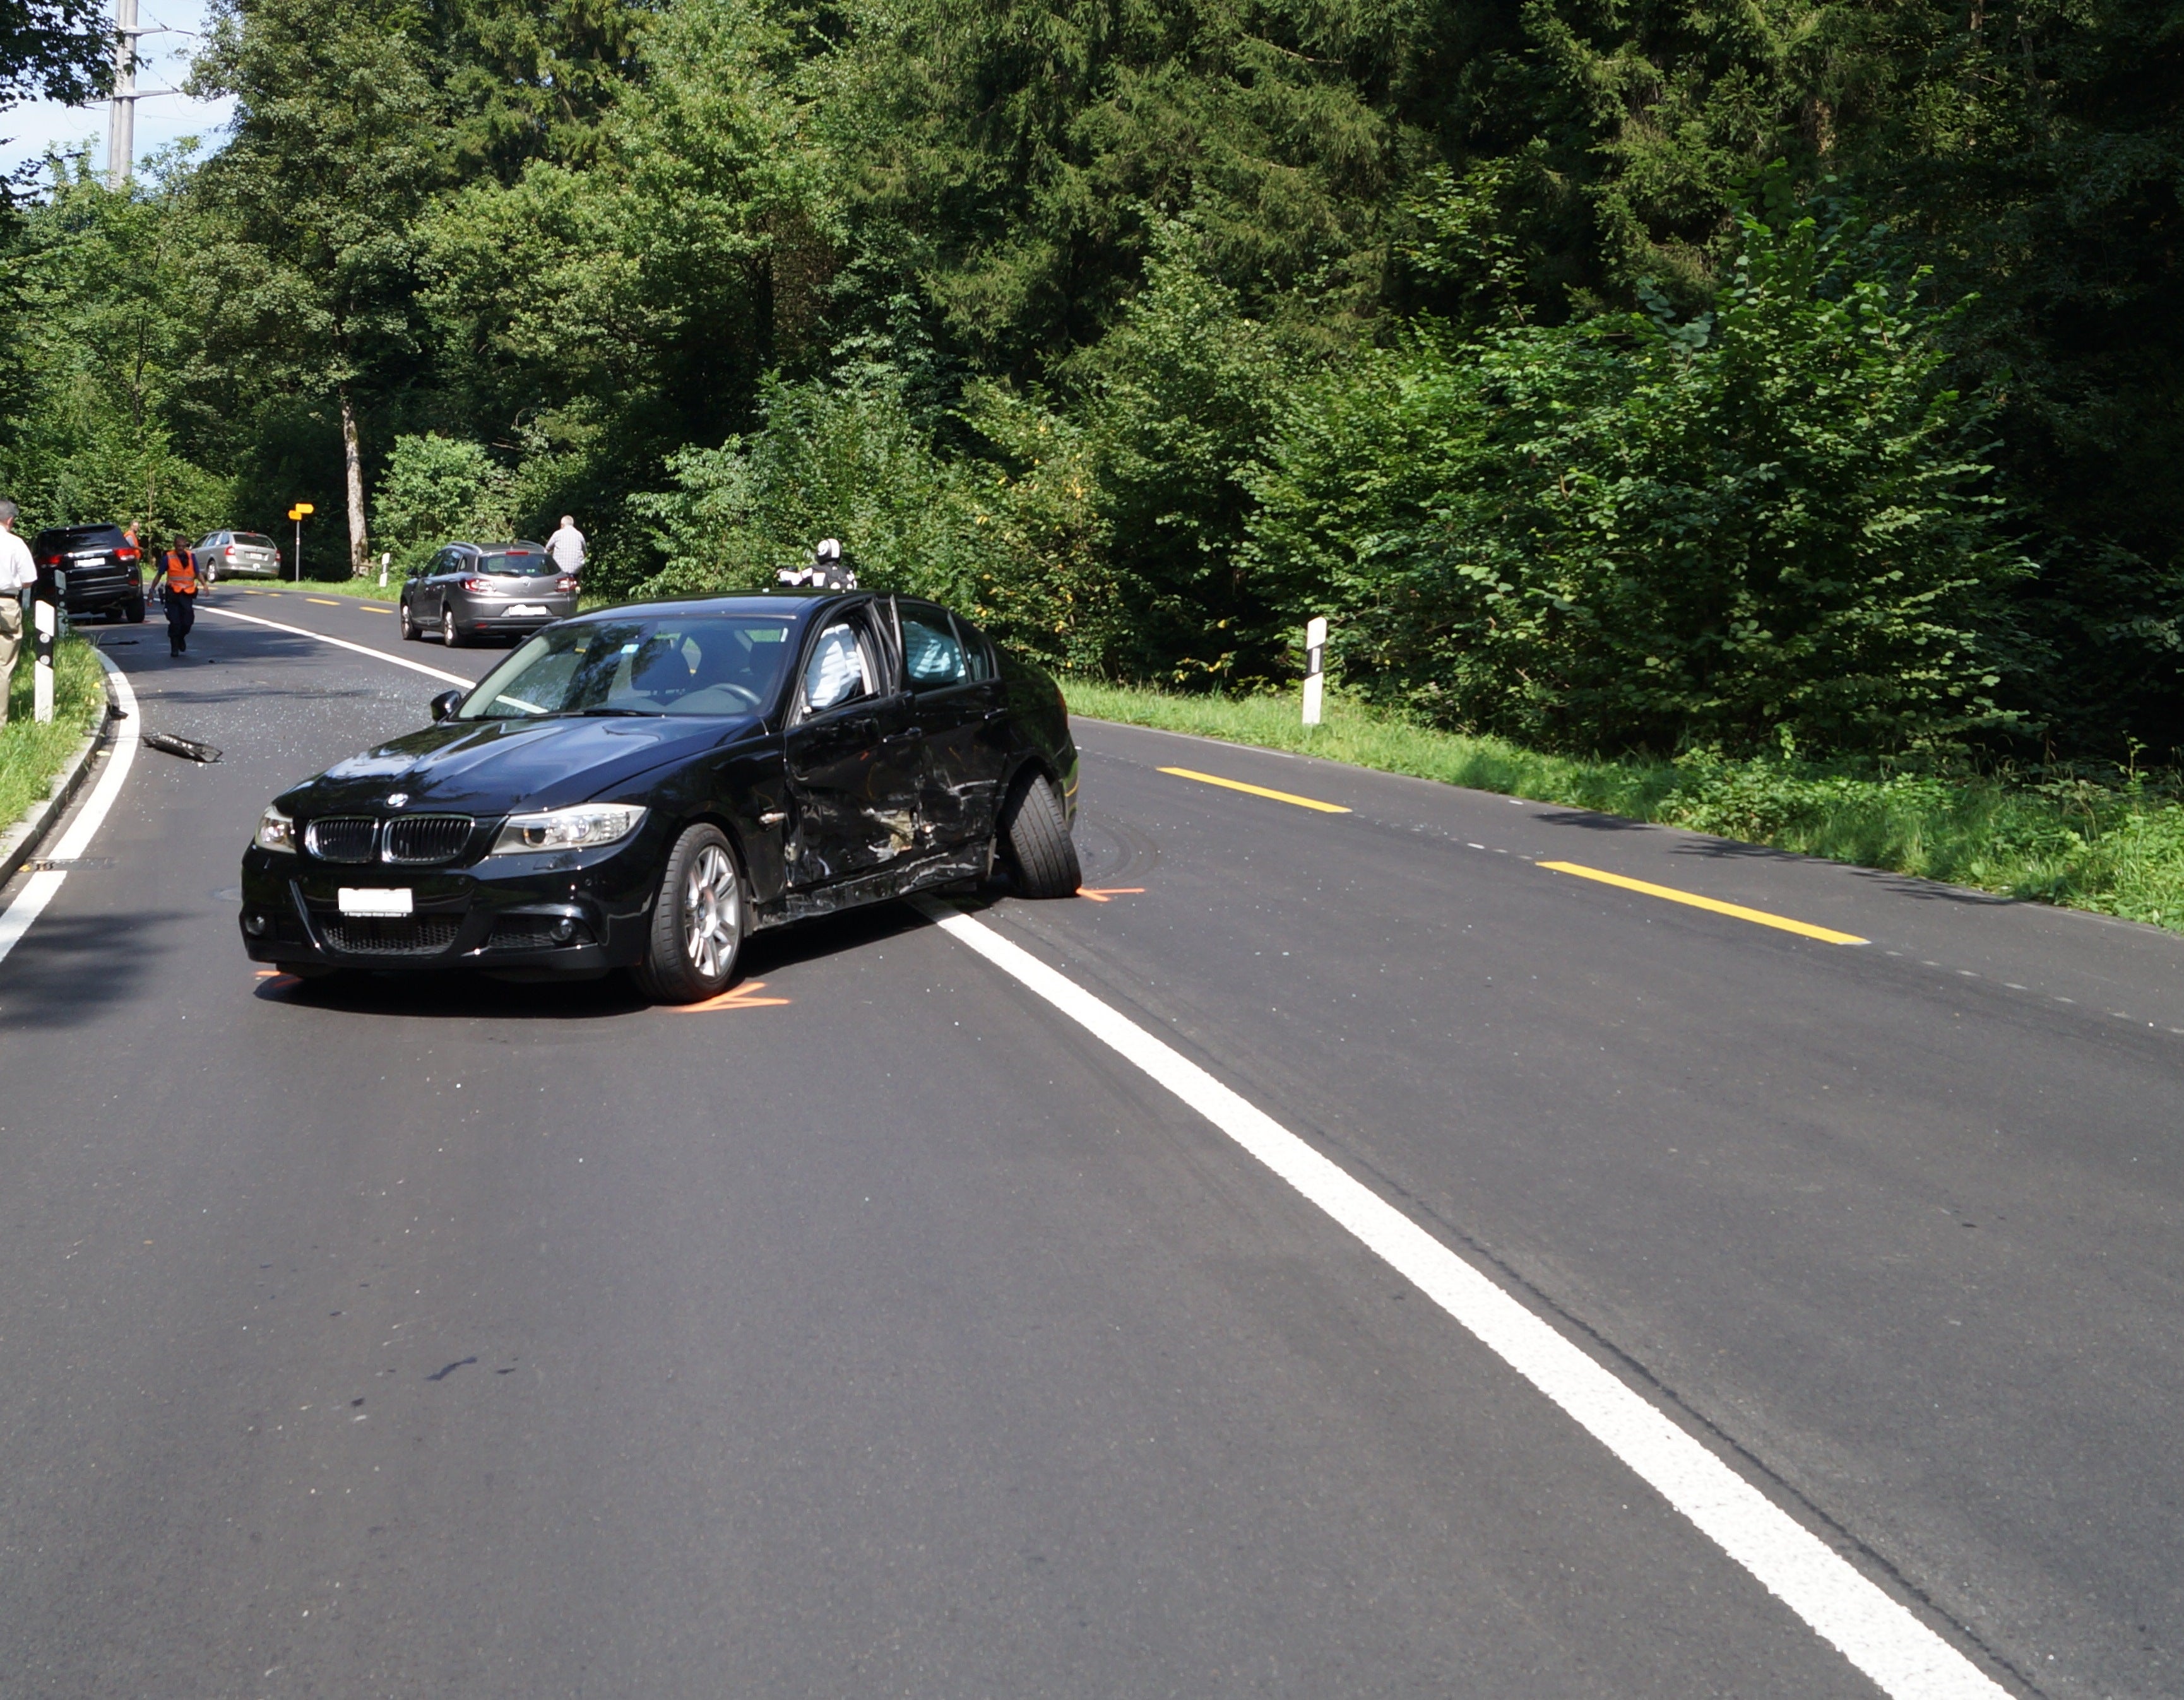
(18, 572)
(566, 547)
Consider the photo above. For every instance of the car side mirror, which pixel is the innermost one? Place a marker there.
(446, 703)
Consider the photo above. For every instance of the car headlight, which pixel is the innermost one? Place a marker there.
(584, 827)
(276, 831)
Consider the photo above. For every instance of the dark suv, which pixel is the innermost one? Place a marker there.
(105, 572)
(470, 590)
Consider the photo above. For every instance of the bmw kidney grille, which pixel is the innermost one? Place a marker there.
(411, 841)
(417, 839)
(341, 838)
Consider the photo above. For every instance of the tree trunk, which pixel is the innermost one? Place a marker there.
(353, 466)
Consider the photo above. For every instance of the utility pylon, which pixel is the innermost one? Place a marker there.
(121, 110)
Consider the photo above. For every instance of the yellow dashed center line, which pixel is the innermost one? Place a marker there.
(323, 602)
(1258, 790)
(1757, 917)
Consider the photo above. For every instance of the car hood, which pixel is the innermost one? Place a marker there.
(491, 767)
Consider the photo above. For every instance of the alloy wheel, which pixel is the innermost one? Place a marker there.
(709, 911)
(448, 627)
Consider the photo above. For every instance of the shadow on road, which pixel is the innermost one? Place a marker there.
(469, 993)
(72, 969)
(1593, 821)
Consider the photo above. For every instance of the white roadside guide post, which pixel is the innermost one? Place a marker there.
(1315, 665)
(45, 626)
(383, 560)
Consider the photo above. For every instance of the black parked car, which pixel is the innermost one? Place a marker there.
(105, 571)
(471, 589)
(644, 787)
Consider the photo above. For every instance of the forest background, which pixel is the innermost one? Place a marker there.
(1730, 376)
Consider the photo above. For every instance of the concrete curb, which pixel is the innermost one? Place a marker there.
(21, 842)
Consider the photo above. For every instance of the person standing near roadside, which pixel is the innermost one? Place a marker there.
(18, 573)
(178, 568)
(566, 547)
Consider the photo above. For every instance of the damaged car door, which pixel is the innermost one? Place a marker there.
(854, 756)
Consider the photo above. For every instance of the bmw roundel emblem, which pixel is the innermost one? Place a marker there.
(398, 799)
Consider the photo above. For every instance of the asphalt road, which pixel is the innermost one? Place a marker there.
(888, 1335)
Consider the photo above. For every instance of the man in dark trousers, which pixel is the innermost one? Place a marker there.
(178, 568)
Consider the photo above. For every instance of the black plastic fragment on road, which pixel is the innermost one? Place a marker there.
(442, 1375)
(189, 747)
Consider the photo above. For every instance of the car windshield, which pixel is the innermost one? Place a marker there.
(524, 563)
(689, 664)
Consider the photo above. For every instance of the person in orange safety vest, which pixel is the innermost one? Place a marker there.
(178, 568)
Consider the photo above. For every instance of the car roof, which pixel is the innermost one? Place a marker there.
(793, 604)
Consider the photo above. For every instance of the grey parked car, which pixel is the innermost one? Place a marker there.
(469, 590)
(238, 555)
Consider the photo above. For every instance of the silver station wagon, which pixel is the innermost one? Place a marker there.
(238, 555)
(479, 590)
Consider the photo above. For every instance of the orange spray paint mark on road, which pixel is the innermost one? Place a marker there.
(738, 998)
(1100, 894)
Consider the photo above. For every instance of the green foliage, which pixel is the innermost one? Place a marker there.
(307, 252)
(1159, 326)
(34, 755)
(440, 490)
(848, 463)
(54, 50)
(102, 338)
(1179, 393)
(1015, 546)
(1768, 524)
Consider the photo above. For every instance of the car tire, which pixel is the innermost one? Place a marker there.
(409, 626)
(696, 934)
(450, 634)
(133, 611)
(1035, 842)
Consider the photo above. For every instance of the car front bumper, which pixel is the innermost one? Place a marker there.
(571, 913)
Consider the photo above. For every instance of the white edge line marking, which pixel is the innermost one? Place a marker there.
(343, 643)
(1904, 1656)
(30, 902)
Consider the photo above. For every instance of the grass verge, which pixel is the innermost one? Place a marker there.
(2114, 848)
(357, 589)
(32, 755)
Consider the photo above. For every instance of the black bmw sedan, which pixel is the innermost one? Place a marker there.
(644, 787)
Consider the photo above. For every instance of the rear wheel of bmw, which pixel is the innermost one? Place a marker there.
(1035, 842)
(697, 930)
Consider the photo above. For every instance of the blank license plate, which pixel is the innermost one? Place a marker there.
(522, 608)
(374, 900)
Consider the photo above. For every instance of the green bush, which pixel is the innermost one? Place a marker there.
(1011, 541)
(1768, 526)
(440, 490)
(1177, 398)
